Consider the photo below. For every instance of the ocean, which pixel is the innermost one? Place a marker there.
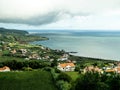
(96, 44)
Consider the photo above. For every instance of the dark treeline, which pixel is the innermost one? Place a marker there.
(96, 81)
(87, 81)
(18, 65)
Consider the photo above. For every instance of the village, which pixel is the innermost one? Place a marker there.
(40, 53)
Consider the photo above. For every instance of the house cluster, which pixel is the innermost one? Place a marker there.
(33, 56)
(21, 52)
(70, 66)
(113, 68)
(31, 52)
(92, 69)
(64, 57)
(108, 69)
(27, 52)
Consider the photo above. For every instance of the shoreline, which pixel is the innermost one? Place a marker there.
(93, 58)
(72, 52)
(98, 48)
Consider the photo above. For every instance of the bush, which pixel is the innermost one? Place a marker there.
(57, 70)
(54, 75)
(62, 85)
(77, 68)
(1, 65)
(64, 77)
(14, 64)
(47, 68)
(27, 69)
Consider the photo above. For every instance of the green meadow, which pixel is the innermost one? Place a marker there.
(26, 80)
(73, 75)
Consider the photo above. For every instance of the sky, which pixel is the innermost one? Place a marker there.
(60, 14)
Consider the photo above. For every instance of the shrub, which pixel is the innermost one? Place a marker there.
(47, 68)
(57, 70)
(64, 77)
(27, 69)
(77, 68)
(62, 85)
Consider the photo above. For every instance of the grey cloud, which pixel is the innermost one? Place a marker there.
(36, 20)
(41, 19)
(78, 13)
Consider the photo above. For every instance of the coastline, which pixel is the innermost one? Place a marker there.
(73, 53)
(28, 37)
(83, 57)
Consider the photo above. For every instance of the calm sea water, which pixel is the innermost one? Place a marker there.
(98, 44)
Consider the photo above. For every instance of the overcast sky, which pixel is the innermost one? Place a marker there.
(60, 14)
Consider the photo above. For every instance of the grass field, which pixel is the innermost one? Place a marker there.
(73, 75)
(31, 80)
(8, 58)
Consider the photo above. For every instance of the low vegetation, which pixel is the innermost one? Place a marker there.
(27, 80)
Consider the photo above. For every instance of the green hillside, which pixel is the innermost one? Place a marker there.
(29, 80)
(13, 35)
(12, 31)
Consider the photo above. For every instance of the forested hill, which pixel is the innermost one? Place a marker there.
(12, 35)
(12, 31)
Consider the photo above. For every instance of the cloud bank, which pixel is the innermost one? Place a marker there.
(83, 14)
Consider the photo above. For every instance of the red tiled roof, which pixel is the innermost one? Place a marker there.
(3, 68)
(118, 69)
(66, 64)
(110, 70)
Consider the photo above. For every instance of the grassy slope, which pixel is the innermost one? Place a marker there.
(73, 75)
(8, 58)
(33, 80)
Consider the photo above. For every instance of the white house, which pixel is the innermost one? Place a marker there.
(64, 57)
(23, 51)
(4, 69)
(66, 67)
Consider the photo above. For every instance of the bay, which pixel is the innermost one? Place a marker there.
(96, 44)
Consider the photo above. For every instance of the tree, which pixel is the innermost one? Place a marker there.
(114, 82)
(54, 63)
(77, 68)
(62, 85)
(102, 86)
(95, 64)
(88, 81)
